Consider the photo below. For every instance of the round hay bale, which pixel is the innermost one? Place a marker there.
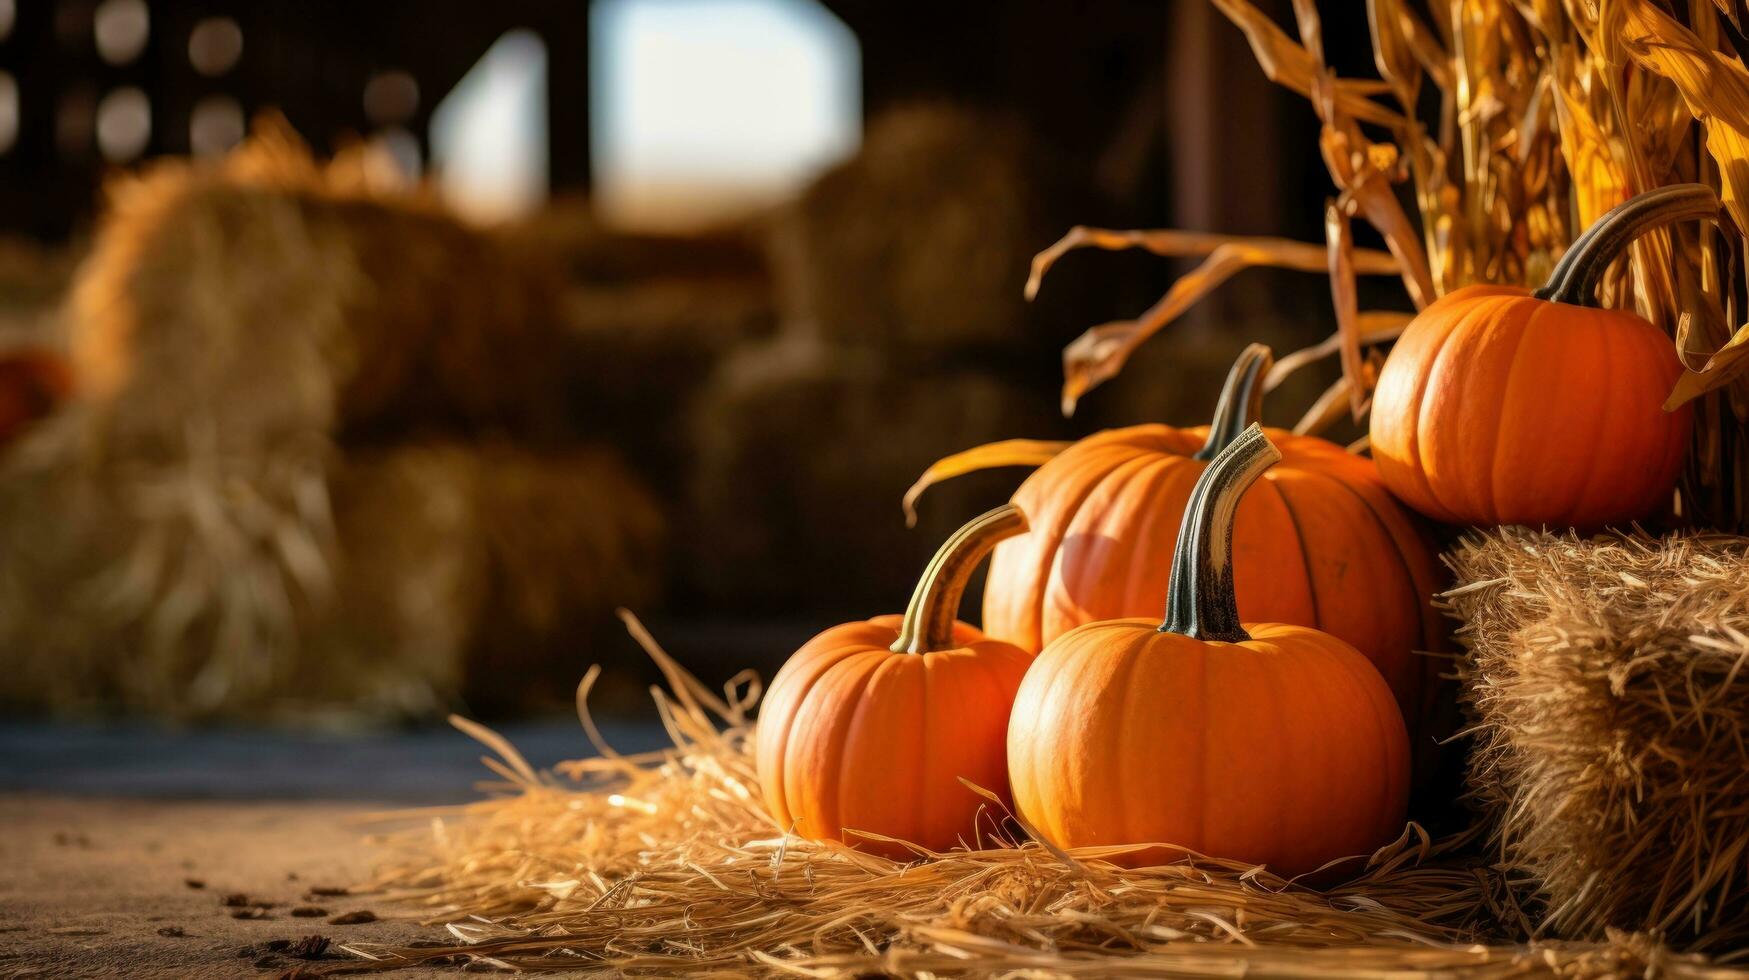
(802, 455)
(1609, 682)
(924, 238)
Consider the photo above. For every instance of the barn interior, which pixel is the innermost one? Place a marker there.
(358, 362)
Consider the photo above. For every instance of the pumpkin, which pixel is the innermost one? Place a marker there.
(1502, 406)
(1321, 543)
(870, 726)
(1271, 744)
(32, 384)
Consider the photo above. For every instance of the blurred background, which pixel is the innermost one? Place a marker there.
(358, 359)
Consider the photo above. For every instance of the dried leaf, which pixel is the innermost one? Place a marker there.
(1375, 326)
(1292, 66)
(1171, 243)
(1099, 354)
(1715, 87)
(1327, 410)
(1009, 452)
(1347, 303)
(1725, 364)
(1363, 183)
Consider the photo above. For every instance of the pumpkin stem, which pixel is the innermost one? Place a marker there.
(1241, 400)
(929, 619)
(1581, 269)
(1200, 602)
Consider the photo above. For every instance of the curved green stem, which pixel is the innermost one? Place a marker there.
(1200, 602)
(1581, 269)
(929, 619)
(1241, 400)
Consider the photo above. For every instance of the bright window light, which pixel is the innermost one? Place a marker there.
(489, 134)
(701, 108)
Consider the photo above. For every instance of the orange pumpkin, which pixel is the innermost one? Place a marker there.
(1321, 543)
(32, 384)
(1270, 744)
(870, 726)
(1502, 406)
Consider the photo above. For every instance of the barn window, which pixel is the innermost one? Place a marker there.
(701, 108)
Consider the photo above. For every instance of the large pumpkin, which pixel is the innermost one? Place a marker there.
(870, 726)
(1502, 406)
(1321, 542)
(1270, 744)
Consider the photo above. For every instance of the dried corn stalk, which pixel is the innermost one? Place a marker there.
(1542, 115)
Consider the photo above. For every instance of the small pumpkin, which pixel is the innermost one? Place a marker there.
(1321, 543)
(870, 726)
(32, 384)
(1270, 743)
(1502, 406)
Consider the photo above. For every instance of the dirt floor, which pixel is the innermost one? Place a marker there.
(120, 844)
(139, 888)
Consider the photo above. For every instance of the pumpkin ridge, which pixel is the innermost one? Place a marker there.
(1444, 359)
(1052, 769)
(1293, 519)
(1001, 683)
(1131, 691)
(1606, 359)
(1520, 332)
(780, 793)
(1432, 623)
(927, 760)
(1352, 680)
(1414, 468)
(1043, 818)
(1137, 582)
(1509, 327)
(1303, 756)
(1398, 784)
(833, 825)
(1080, 521)
(1049, 526)
(1408, 578)
(1200, 791)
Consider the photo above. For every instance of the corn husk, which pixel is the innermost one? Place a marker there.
(1512, 126)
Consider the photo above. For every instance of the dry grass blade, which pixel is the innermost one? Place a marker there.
(1008, 452)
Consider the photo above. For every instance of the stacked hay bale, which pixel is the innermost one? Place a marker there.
(271, 493)
(1609, 682)
(904, 336)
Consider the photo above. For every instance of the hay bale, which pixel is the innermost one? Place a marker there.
(802, 455)
(1607, 678)
(171, 584)
(924, 238)
(293, 582)
(269, 294)
(481, 571)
